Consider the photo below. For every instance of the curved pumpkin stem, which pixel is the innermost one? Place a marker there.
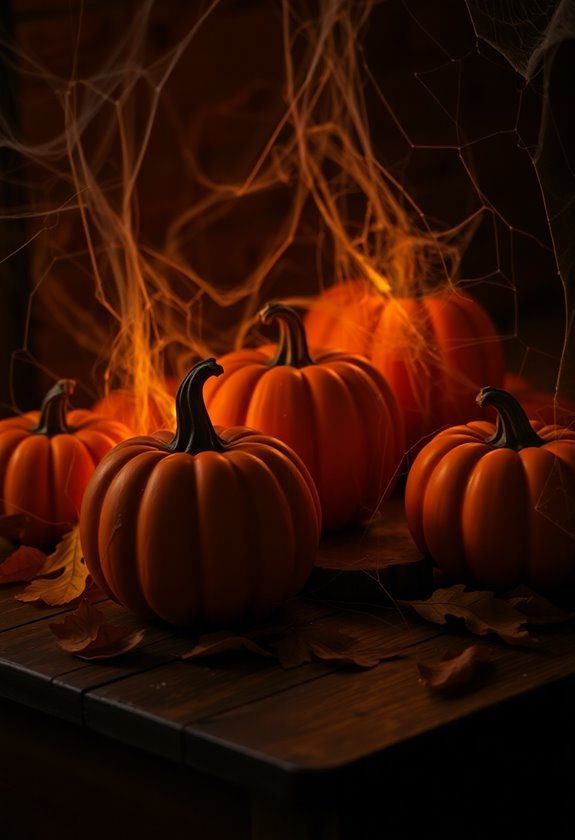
(292, 345)
(55, 406)
(513, 429)
(194, 430)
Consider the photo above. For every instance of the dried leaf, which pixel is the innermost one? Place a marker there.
(215, 644)
(293, 646)
(482, 612)
(536, 609)
(22, 565)
(313, 641)
(13, 527)
(85, 634)
(456, 669)
(69, 574)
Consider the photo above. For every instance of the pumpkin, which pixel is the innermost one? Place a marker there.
(335, 410)
(204, 525)
(495, 504)
(435, 350)
(121, 404)
(47, 459)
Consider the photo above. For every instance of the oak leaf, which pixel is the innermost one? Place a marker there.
(482, 613)
(68, 574)
(310, 642)
(293, 646)
(536, 609)
(85, 634)
(456, 669)
(22, 565)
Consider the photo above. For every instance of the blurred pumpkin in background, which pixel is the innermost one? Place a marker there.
(121, 404)
(435, 350)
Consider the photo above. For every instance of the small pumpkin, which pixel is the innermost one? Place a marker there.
(121, 404)
(47, 459)
(335, 410)
(206, 525)
(435, 350)
(495, 504)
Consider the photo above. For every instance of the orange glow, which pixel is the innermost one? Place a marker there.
(319, 152)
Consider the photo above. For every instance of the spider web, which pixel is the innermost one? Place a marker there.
(415, 146)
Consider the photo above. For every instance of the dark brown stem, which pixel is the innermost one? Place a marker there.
(292, 345)
(194, 430)
(53, 420)
(513, 429)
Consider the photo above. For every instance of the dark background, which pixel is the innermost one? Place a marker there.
(449, 116)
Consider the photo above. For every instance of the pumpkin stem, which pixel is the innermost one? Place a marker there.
(513, 429)
(54, 410)
(194, 430)
(292, 344)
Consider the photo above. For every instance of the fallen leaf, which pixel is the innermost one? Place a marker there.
(293, 646)
(312, 641)
(68, 570)
(22, 565)
(13, 526)
(456, 669)
(215, 644)
(536, 609)
(482, 612)
(85, 634)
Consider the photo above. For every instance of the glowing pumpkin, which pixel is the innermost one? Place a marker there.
(435, 350)
(496, 504)
(205, 525)
(47, 459)
(121, 404)
(335, 410)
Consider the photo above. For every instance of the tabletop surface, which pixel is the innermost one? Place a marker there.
(247, 719)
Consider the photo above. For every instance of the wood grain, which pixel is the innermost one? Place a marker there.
(327, 725)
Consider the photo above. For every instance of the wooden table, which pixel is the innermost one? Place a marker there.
(150, 745)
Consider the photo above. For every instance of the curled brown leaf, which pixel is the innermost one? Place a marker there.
(456, 669)
(86, 634)
(482, 613)
(536, 609)
(22, 565)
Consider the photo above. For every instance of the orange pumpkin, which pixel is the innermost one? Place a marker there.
(47, 459)
(496, 504)
(121, 404)
(335, 410)
(205, 525)
(435, 350)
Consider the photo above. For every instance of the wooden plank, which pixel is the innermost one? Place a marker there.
(139, 709)
(59, 781)
(291, 743)
(150, 709)
(35, 671)
(14, 613)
